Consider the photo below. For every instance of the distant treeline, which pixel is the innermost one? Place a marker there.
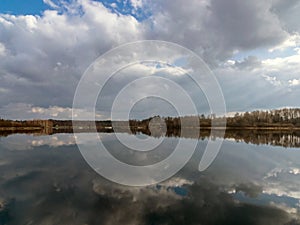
(17, 123)
(280, 118)
(287, 118)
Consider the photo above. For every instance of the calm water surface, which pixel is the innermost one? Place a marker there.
(45, 180)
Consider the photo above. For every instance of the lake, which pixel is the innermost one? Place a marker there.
(45, 180)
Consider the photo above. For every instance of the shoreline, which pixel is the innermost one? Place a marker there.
(286, 128)
(21, 128)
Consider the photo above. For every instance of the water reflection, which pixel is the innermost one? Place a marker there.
(284, 138)
(50, 183)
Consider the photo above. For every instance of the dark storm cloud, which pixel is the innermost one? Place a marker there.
(288, 13)
(245, 24)
(217, 28)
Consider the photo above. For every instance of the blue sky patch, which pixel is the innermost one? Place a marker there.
(37, 7)
(21, 7)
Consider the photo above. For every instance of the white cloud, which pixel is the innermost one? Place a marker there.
(281, 182)
(176, 182)
(282, 190)
(37, 43)
(272, 80)
(283, 62)
(286, 70)
(26, 142)
(114, 5)
(50, 3)
(292, 41)
(270, 83)
(144, 69)
(295, 171)
(294, 82)
(28, 111)
(136, 3)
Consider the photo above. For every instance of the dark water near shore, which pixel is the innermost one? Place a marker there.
(45, 180)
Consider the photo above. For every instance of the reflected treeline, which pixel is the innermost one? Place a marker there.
(284, 138)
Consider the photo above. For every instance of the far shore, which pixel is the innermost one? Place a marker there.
(20, 128)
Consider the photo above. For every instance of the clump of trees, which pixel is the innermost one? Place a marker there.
(12, 123)
(273, 118)
(287, 118)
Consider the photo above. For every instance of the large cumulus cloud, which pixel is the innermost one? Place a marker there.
(43, 57)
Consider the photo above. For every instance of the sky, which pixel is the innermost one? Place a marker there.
(252, 47)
